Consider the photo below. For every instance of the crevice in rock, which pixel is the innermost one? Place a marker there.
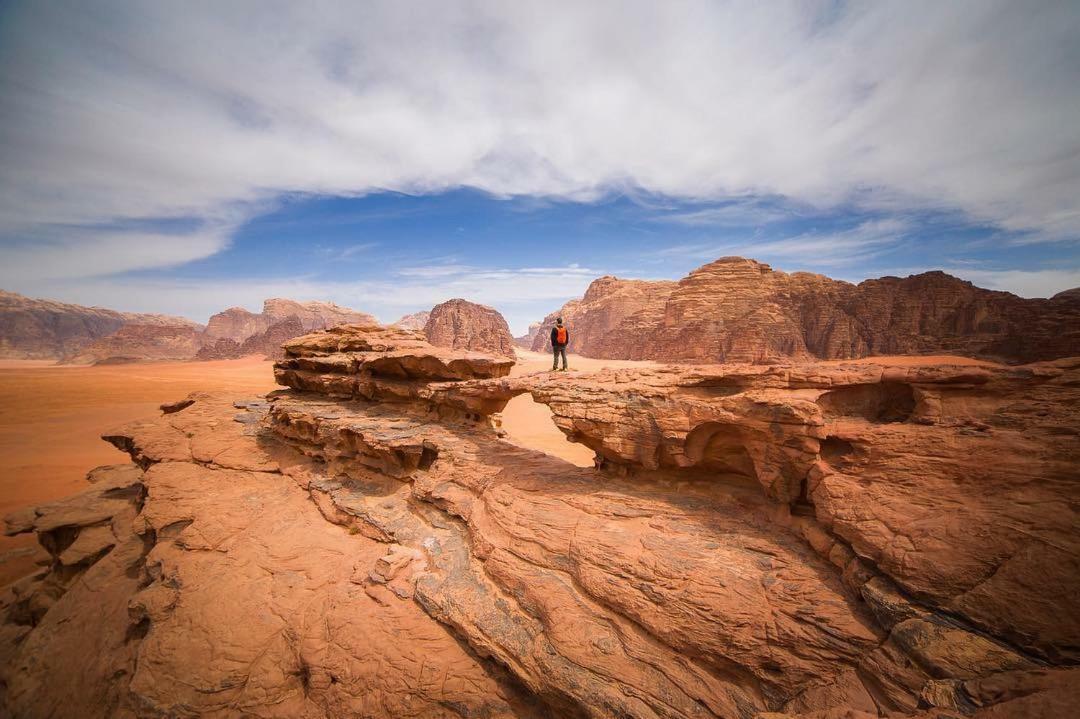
(881, 402)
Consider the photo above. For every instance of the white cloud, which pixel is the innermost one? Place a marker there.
(132, 110)
(825, 249)
(1026, 283)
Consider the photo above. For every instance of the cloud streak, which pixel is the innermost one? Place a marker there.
(146, 110)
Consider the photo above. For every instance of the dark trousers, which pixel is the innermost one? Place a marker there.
(559, 352)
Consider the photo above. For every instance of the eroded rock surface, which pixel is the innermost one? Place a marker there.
(236, 332)
(137, 342)
(740, 310)
(462, 325)
(756, 542)
(46, 329)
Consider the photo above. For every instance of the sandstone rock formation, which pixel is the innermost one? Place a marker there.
(267, 343)
(45, 329)
(758, 542)
(739, 310)
(459, 324)
(415, 321)
(598, 320)
(236, 332)
(139, 342)
(526, 340)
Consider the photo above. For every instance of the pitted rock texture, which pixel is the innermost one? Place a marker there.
(461, 325)
(739, 310)
(45, 329)
(757, 542)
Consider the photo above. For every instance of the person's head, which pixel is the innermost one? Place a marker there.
(558, 321)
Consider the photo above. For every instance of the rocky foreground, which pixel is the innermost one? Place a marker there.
(812, 540)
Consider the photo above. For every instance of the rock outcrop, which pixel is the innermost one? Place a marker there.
(599, 321)
(45, 329)
(236, 332)
(813, 540)
(739, 310)
(138, 342)
(526, 340)
(459, 324)
(415, 321)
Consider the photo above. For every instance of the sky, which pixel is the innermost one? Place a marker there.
(187, 157)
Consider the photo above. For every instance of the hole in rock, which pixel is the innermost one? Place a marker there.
(839, 453)
(721, 448)
(428, 455)
(883, 402)
(530, 424)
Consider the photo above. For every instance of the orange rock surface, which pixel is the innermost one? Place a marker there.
(756, 541)
(463, 325)
(739, 310)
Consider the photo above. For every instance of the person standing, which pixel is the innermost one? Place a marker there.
(560, 337)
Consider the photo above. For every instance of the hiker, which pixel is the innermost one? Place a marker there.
(560, 337)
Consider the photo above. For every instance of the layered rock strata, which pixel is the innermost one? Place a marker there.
(820, 540)
(739, 310)
(462, 325)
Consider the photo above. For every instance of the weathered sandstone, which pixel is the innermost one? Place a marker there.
(236, 332)
(45, 329)
(463, 325)
(739, 310)
(598, 319)
(757, 541)
(137, 342)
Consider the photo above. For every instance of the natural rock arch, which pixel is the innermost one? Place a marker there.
(720, 447)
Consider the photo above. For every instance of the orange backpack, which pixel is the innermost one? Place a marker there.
(560, 335)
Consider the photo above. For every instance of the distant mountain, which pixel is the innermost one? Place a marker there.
(415, 321)
(236, 332)
(46, 329)
(740, 310)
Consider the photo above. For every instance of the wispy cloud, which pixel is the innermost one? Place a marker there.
(147, 110)
(839, 248)
(1026, 283)
(737, 213)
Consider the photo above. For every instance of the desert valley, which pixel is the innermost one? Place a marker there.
(782, 496)
(466, 359)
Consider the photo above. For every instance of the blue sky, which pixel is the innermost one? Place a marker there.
(185, 158)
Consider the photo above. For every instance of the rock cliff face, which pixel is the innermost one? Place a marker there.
(459, 324)
(415, 321)
(138, 342)
(44, 329)
(758, 542)
(610, 308)
(239, 325)
(738, 310)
